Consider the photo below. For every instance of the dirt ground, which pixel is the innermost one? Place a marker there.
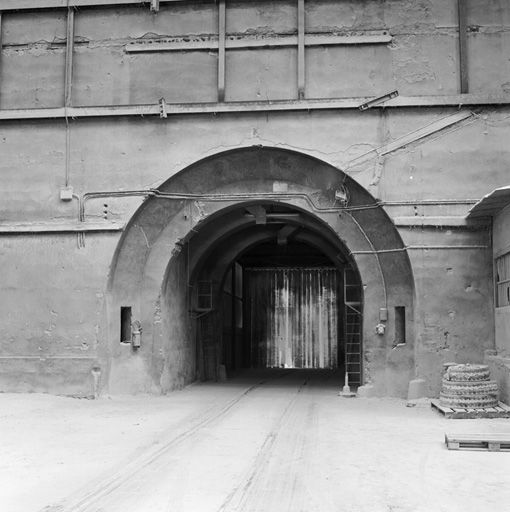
(261, 443)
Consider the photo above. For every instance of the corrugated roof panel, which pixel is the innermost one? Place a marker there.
(491, 204)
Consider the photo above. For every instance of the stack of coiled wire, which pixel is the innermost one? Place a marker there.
(468, 386)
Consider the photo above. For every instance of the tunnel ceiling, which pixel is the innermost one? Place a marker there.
(263, 234)
(291, 254)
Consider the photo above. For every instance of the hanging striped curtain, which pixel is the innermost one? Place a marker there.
(293, 317)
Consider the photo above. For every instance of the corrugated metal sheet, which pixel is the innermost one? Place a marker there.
(293, 317)
(491, 204)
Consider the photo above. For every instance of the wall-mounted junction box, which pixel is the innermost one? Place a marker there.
(66, 194)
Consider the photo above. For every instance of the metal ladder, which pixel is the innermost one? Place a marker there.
(352, 327)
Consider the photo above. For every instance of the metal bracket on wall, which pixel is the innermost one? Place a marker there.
(162, 108)
(154, 5)
(378, 100)
(259, 212)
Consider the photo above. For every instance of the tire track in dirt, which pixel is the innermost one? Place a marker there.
(103, 487)
(255, 491)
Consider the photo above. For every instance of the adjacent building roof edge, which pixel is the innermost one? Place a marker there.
(491, 203)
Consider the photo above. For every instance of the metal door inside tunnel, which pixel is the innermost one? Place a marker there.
(294, 316)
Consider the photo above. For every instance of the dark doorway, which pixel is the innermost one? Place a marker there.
(274, 288)
(290, 306)
(292, 317)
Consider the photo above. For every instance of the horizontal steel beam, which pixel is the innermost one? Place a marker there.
(7, 5)
(88, 227)
(44, 357)
(60, 227)
(250, 106)
(232, 42)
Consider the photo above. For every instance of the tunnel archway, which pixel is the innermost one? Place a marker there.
(272, 292)
(217, 214)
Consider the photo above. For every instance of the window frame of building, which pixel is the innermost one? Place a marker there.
(502, 280)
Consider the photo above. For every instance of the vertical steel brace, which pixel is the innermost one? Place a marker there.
(463, 63)
(221, 49)
(301, 49)
(69, 58)
(0, 54)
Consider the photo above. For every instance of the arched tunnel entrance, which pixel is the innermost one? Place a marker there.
(272, 287)
(259, 257)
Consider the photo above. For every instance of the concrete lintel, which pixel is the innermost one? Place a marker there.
(60, 227)
(251, 106)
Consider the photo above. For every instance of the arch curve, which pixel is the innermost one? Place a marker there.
(172, 234)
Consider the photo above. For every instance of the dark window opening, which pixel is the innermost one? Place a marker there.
(204, 295)
(125, 324)
(400, 324)
(502, 273)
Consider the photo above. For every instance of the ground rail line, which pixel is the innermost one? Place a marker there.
(100, 488)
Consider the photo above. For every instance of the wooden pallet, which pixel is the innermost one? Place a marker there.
(500, 411)
(492, 442)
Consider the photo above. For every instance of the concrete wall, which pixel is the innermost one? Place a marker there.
(53, 291)
(422, 58)
(141, 153)
(52, 304)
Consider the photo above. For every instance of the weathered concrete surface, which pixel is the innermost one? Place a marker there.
(52, 302)
(449, 282)
(256, 444)
(33, 59)
(422, 59)
(142, 153)
(452, 287)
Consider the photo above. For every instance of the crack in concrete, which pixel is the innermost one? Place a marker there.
(145, 236)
